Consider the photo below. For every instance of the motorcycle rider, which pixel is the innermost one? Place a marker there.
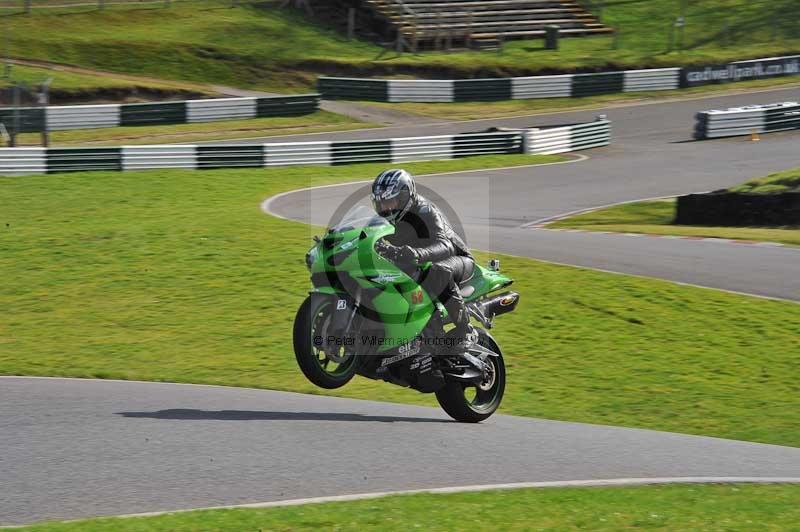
(422, 234)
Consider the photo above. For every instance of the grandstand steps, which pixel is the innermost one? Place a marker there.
(501, 25)
(435, 24)
(473, 23)
(525, 34)
(493, 16)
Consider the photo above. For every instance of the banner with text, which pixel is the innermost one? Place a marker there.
(740, 71)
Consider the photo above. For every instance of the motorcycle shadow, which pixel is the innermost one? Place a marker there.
(248, 415)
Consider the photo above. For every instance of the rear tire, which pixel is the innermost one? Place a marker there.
(318, 367)
(453, 399)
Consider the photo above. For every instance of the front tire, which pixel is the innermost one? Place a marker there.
(318, 367)
(455, 397)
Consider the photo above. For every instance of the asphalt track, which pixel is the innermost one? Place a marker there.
(81, 448)
(75, 448)
(651, 156)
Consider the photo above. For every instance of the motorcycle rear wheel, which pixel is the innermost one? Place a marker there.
(318, 367)
(454, 397)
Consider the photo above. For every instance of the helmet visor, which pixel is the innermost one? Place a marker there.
(386, 207)
(390, 207)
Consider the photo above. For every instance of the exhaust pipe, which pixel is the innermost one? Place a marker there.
(500, 304)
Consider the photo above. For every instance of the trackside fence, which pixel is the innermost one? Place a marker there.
(60, 118)
(20, 161)
(747, 120)
(562, 86)
(553, 140)
(471, 90)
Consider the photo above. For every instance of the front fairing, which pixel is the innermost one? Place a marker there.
(345, 262)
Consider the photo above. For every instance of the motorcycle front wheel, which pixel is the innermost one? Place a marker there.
(471, 403)
(326, 370)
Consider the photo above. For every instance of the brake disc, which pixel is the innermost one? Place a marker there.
(337, 357)
(486, 384)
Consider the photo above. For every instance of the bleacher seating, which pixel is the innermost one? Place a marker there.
(426, 23)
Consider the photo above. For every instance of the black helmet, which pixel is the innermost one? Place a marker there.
(392, 194)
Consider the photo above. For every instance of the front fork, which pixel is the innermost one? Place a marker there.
(345, 310)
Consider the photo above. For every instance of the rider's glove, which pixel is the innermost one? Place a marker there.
(406, 255)
(399, 254)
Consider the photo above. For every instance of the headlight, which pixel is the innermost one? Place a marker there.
(310, 257)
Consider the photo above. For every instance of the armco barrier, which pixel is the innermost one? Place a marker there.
(747, 120)
(490, 89)
(420, 91)
(26, 120)
(541, 87)
(651, 80)
(59, 118)
(596, 84)
(550, 141)
(17, 161)
(376, 90)
(564, 86)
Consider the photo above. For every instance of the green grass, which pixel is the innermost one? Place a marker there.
(318, 122)
(278, 49)
(73, 86)
(178, 276)
(656, 217)
(788, 181)
(699, 507)
(205, 41)
(66, 80)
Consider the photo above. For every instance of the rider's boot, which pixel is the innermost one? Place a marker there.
(462, 340)
(462, 336)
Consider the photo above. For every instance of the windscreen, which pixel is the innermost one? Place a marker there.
(359, 216)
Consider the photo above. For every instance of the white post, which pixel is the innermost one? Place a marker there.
(527, 140)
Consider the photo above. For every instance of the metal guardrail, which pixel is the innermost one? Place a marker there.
(550, 141)
(496, 89)
(747, 120)
(20, 161)
(60, 118)
(562, 86)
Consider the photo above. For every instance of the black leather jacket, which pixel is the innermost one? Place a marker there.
(425, 228)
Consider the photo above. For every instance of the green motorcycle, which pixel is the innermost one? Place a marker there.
(368, 316)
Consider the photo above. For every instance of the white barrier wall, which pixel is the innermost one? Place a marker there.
(412, 149)
(551, 141)
(82, 117)
(652, 80)
(23, 161)
(14, 161)
(288, 154)
(747, 120)
(221, 109)
(541, 87)
(150, 157)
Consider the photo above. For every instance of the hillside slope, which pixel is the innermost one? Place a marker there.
(263, 46)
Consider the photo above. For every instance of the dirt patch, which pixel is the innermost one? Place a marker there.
(121, 95)
(366, 70)
(388, 70)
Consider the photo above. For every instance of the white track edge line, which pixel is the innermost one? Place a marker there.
(265, 205)
(576, 212)
(542, 223)
(593, 483)
(640, 276)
